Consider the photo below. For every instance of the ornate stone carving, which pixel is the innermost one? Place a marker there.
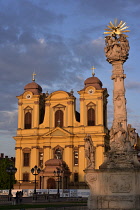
(120, 160)
(89, 151)
(118, 139)
(132, 135)
(120, 183)
(116, 48)
(91, 178)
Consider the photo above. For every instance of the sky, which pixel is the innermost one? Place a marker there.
(61, 40)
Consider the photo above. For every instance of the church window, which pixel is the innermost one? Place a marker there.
(41, 159)
(91, 117)
(76, 157)
(28, 118)
(59, 118)
(26, 159)
(42, 112)
(25, 177)
(58, 154)
(76, 178)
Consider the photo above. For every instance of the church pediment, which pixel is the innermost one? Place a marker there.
(59, 106)
(58, 132)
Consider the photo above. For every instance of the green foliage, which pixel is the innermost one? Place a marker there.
(4, 176)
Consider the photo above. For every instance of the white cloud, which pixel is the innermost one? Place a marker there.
(99, 42)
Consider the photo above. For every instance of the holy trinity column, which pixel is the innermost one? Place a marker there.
(116, 50)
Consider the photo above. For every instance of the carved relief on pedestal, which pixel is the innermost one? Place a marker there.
(91, 178)
(120, 183)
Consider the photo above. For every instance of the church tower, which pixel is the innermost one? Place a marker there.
(30, 115)
(93, 115)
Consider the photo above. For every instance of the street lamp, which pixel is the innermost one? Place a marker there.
(35, 171)
(58, 175)
(11, 170)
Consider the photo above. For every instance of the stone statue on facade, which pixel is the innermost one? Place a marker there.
(89, 152)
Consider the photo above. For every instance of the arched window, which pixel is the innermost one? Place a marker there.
(28, 120)
(59, 118)
(58, 154)
(76, 157)
(26, 159)
(91, 117)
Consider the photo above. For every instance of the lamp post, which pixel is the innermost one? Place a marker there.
(35, 171)
(58, 175)
(11, 170)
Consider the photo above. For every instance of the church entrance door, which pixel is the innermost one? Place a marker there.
(51, 183)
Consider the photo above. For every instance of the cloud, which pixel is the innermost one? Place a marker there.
(8, 122)
(104, 9)
(133, 85)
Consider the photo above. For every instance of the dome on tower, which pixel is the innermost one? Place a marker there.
(93, 81)
(34, 88)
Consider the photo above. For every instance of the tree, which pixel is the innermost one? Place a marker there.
(4, 176)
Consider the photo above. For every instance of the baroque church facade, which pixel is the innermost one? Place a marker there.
(51, 134)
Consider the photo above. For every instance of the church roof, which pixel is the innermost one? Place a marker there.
(33, 87)
(93, 81)
(55, 162)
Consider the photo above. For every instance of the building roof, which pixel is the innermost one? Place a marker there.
(34, 88)
(93, 81)
(54, 162)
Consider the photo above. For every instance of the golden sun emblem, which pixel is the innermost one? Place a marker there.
(116, 28)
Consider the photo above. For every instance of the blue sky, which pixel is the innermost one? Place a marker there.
(61, 40)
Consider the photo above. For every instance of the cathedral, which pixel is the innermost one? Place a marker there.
(51, 133)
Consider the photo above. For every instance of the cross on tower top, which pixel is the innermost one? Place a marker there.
(93, 73)
(33, 76)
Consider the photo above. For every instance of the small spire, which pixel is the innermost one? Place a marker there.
(33, 76)
(71, 92)
(47, 94)
(93, 73)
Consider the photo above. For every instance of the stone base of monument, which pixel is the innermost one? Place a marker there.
(113, 188)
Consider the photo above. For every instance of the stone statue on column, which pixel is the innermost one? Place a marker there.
(89, 152)
(117, 51)
(116, 184)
